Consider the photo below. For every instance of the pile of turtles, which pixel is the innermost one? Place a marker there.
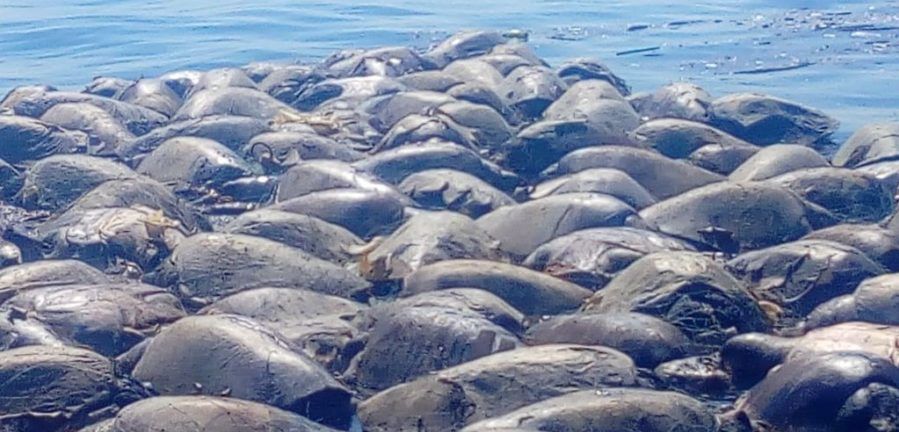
(460, 239)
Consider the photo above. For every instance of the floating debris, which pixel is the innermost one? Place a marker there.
(522, 35)
(573, 33)
(637, 27)
(774, 69)
(679, 24)
(638, 51)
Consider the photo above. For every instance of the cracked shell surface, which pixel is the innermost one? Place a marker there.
(686, 289)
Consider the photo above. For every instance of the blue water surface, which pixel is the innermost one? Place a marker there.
(839, 56)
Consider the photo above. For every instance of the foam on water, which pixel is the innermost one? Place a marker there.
(839, 56)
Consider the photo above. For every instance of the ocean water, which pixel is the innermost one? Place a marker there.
(839, 56)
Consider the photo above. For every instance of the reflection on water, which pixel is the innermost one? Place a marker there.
(840, 56)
